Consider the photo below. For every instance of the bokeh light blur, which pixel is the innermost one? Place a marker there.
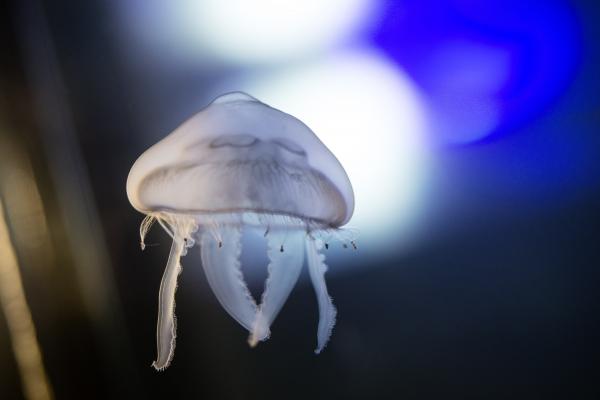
(388, 124)
(469, 130)
(246, 32)
(500, 62)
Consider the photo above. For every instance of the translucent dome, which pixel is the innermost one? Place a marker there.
(239, 155)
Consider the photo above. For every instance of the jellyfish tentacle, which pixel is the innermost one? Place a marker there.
(167, 325)
(222, 267)
(284, 269)
(165, 225)
(327, 311)
(145, 226)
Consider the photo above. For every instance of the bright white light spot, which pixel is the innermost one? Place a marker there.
(371, 117)
(248, 31)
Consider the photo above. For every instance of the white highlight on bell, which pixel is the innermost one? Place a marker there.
(255, 31)
(370, 115)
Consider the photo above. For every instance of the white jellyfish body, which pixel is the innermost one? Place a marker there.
(239, 163)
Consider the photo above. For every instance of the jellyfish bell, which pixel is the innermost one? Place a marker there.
(240, 163)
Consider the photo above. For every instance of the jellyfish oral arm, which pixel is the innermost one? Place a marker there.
(220, 249)
(327, 311)
(221, 263)
(284, 269)
(166, 328)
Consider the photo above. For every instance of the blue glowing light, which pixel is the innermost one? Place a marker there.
(486, 67)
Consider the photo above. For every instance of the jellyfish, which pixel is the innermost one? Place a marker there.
(241, 164)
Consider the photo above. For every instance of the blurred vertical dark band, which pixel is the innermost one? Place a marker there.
(52, 214)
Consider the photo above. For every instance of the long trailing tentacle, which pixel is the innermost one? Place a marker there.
(327, 311)
(166, 327)
(284, 269)
(220, 260)
(180, 229)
